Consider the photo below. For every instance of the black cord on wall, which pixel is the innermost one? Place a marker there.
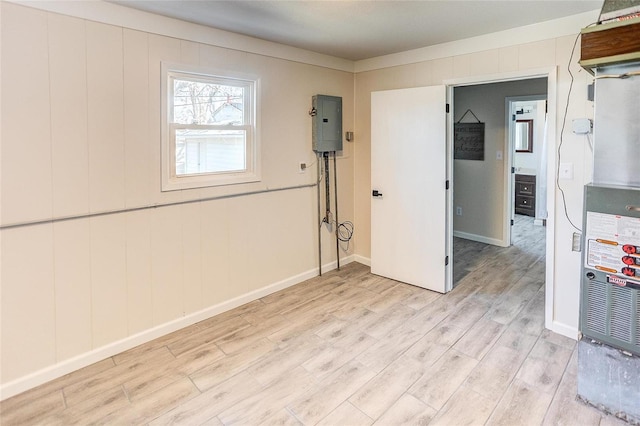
(564, 122)
(345, 232)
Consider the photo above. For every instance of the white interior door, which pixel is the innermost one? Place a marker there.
(408, 182)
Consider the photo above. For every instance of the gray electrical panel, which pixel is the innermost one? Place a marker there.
(326, 133)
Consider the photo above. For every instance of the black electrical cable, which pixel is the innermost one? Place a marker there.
(564, 122)
(344, 233)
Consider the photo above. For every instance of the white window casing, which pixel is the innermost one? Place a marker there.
(216, 145)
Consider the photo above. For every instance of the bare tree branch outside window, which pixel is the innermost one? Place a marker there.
(197, 102)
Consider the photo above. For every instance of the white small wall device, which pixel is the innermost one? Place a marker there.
(582, 126)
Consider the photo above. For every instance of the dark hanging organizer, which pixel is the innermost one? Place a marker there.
(468, 139)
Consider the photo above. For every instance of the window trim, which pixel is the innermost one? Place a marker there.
(170, 180)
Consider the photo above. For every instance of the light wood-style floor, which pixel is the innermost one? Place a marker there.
(347, 348)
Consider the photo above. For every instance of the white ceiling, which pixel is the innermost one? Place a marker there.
(364, 29)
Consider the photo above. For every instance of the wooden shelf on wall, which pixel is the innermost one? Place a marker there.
(610, 43)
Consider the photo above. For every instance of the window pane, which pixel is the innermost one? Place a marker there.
(202, 102)
(210, 151)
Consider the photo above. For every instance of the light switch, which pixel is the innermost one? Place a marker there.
(566, 171)
(498, 155)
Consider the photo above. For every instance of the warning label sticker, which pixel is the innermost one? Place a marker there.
(613, 244)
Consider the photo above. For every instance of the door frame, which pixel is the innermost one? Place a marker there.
(552, 77)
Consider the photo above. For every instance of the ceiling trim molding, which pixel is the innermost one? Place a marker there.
(570, 25)
(121, 16)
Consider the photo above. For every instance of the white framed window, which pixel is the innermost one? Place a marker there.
(209, 128)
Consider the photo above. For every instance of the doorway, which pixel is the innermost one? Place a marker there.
(528, 147)
(499, 151)
(483, 188)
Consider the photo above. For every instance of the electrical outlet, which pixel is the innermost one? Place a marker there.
(459, 211)
(302, 167)
(576, 241)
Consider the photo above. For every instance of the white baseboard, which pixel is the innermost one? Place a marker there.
(563, 329)
(480, 238)
(67, 366)
(361, 259)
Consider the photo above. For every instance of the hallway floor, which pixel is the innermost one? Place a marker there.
(347, 348)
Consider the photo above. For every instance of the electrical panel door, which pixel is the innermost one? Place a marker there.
(327, 123)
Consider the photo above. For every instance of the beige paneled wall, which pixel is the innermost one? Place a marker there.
(105, 116)
(68, 110)
(575, 149)
(81, 134)
(139, 172)
(29, 310)
(26, 97)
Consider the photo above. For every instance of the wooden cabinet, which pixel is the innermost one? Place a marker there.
(610, 43)
(526, 195)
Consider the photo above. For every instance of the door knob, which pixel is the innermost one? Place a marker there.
(376, 193)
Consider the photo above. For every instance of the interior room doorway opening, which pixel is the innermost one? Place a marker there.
(473, 251)
(527, 118)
